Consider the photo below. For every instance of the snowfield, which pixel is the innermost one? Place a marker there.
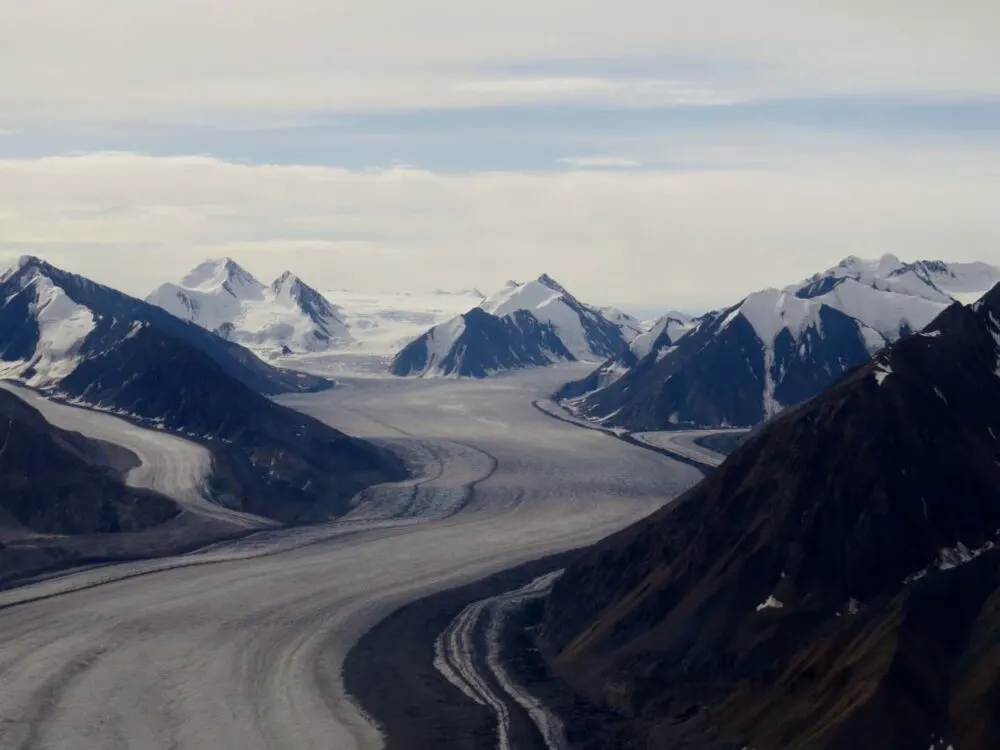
(248, 651)
(382, 324)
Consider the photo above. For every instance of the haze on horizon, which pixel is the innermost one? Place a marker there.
(646, 154)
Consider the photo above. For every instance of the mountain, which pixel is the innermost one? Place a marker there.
(478, 344)
(653, 345)
(585, 331)
(835, 584)
(92, 345)
(776, 348)
(629, 326)
(932, 279)
(51, 321)
(57, 482)
(287, 316)
(522, 325)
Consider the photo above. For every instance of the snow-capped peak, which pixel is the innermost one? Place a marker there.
(552, 284)
(286, 285)
(863, 268)
(223, 297)
(771, 310)
(223, 273)
(674, 325)
(18, 265)
(585, 331)
(61, 323)
(527, 296)
(933, 280)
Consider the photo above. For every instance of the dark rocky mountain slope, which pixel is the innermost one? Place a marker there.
(38, 299)
(57, 482)
(835, 584)
(80, 341)
(775, 348)
(478, 344)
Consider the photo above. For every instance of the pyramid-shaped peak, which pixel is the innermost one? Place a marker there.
(290, 285)
(20, 264)
(286, 280)
(551, 283)
(217, 272)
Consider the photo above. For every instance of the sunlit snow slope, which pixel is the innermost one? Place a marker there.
(287, 316)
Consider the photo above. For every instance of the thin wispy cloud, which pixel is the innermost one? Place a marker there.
(114, 60)
(600, 162)
(537, 86)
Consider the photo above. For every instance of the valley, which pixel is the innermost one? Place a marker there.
(250, 635)
(416, 526)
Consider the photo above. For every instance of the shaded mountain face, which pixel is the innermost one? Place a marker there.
(269, 460)
(478, 344)
(88, 343)
(584, 330)
(51, 320)
(834, 584)
(57, 482)
(775, 348)
(523, 325)
(649, 347)
(222, 297)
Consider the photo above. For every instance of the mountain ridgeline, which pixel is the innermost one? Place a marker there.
(288, 316)
(776, 348)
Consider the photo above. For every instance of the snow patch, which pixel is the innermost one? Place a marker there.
(952, 557)
(881, 372)
(769, 603)
(440, 341)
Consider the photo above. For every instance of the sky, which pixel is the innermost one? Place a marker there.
(651, 154)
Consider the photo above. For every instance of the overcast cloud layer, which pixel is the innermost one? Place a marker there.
(645, 153)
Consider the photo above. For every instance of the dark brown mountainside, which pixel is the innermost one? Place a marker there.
(834, 584)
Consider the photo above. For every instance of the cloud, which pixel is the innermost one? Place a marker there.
(529, 85)
(599, 162)
(624, 92)
(635, 237)
(115, 60)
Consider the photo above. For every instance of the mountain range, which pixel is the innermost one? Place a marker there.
(522, 325)
(96, 347)
(778, 347)
(835, 584)
(286, 317)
